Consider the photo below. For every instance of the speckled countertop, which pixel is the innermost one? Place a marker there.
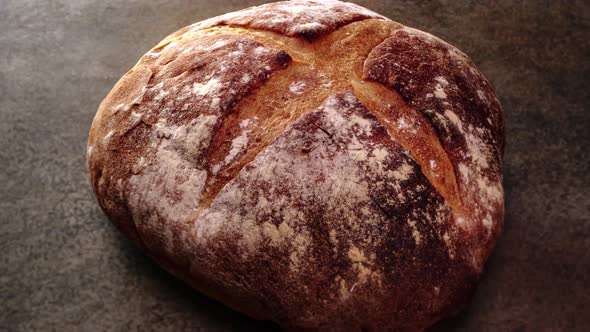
(63, 267)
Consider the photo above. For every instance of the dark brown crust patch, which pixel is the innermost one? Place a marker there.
(442, 83)
(410, 62)
(336, 210)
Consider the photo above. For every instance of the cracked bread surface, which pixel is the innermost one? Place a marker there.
(309, 162)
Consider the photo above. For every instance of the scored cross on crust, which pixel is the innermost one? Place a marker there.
(309, 162)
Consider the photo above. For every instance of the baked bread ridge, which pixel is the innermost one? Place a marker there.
(289, 170)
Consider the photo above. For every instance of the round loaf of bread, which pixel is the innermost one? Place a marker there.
(307, 162)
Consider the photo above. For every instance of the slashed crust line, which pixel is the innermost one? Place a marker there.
(384, 103)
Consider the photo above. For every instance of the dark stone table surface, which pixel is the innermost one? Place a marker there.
(63, 267)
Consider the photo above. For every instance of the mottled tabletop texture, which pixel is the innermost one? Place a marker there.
(64, 267)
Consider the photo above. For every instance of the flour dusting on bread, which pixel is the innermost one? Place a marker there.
(309, 162)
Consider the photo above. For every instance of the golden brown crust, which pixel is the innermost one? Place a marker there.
(298, 89)
(278, 160)
(415, 134)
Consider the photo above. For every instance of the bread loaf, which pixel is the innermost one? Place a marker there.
(307, 162)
